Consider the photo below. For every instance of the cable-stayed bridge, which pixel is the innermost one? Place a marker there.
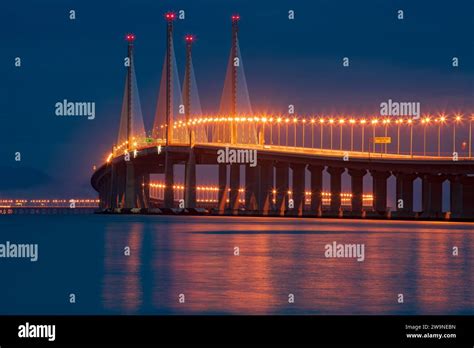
(271, 147)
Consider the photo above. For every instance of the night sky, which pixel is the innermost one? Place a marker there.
(286, 62)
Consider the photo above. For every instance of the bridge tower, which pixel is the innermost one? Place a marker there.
(233, 105)
(169, 65)
(131, 134)
(170, 17)
(125, 185)
(130, 194)
(169, 96)
(130, 39)
(235, 100)
(190, 166)
(187, 85)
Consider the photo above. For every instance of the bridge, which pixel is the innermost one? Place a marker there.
(256, 155)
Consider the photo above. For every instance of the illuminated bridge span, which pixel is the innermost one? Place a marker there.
(435, 148)
(49, 203)
(210, 194)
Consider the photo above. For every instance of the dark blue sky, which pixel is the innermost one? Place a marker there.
(287, 62)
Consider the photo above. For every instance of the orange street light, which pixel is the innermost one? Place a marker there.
(425, 121)
(279, 119)
(295, 121)
(331, 122)
(410, 122)
(362, 122)
(470, 135)
(352, 122)
(321, 122)
(341, 122)
(457, 119)
(303, 121)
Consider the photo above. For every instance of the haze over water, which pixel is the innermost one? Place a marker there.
(194, 256)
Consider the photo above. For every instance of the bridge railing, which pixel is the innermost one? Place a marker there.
(426, 138)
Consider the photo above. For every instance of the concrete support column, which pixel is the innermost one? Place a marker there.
(266, 187)
(121, 185)
(316, 189)
(190, 181)
(336, 188)
(298, 188)
(468, 197)
(113, 186)
(251, 188)
(169, 181)
(130, 186)
(432, 195)
(379, 187)
(223, 189)
(404, 192)
(462, 196)
(139, 186)
(357, 188)
(455, 195)
(105, 194)
(234, 187)
(146, 189)
(102, 194)
(282, 187)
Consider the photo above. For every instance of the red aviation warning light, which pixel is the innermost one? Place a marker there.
(235, 18)
(170, 16)
(189, 38)
(130, 37)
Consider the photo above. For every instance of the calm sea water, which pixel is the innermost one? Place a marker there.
(194, 256)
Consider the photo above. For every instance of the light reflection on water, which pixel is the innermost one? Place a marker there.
(194, 256)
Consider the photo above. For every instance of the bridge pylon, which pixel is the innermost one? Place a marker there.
(235, 100)
(131, 134)
(169, 97)
(189, 104)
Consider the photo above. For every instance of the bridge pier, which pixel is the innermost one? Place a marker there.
(298, 188)
(404, 193)
(103, 204)
(357, 188)
(462, 196)
(432, 195)
(190, 180)
(456, 195)
(139, 189)
(223, 188)
(251, 188)
(266, 187)
(103, 194)
(468, 196)
(316, 189)
(113, 186)
(121, 185)
(379, 190)
(336, 185)
(130, 186)
(234, 188)
(169, 181)
(282, 187)
(146, 189)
